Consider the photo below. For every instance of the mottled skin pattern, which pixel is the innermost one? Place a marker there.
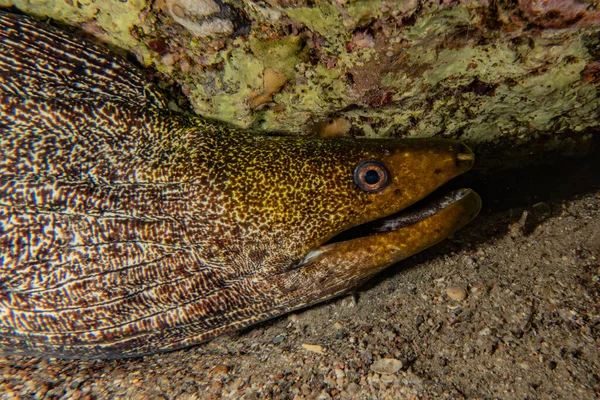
(127, 229)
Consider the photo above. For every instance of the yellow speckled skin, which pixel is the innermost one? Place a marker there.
(128, 229)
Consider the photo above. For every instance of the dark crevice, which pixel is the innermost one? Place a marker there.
(554, 178)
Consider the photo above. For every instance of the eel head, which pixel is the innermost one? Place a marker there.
(346, 211)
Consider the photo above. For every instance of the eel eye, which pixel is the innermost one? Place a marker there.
(371, 176)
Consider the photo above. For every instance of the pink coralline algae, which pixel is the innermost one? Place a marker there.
(560, 13)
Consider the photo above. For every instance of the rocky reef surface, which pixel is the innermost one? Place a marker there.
(498, 75)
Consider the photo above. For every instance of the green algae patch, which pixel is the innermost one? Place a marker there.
(116, 18)
(358, 58)
(225, 95)
(543, 101)
(363, 11)
(324, 92)
(453, 64)
(325, 19)
(449, 63)
(311, 100)
(437, 25)
(401, 83)
(552, 99)
(279, 54)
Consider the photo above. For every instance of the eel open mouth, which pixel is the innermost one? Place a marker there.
(354, 256)
(419, 211)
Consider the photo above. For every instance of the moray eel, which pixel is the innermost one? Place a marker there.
(128, 229)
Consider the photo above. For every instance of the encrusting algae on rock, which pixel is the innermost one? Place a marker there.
(500, 76)
(128, 229)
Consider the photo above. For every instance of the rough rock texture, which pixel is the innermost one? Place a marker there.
(493, 73)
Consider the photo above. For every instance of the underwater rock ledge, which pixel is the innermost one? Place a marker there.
(497, 75)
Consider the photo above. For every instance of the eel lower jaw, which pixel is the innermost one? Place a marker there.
(339, 266)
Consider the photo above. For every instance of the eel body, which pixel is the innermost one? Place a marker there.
(128, 229)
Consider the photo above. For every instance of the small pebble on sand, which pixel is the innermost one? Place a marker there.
(387, 366)
(220, 369)
(339, 373)
(353, 388)
(456, 293)
(315, 348)
(485, 332)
